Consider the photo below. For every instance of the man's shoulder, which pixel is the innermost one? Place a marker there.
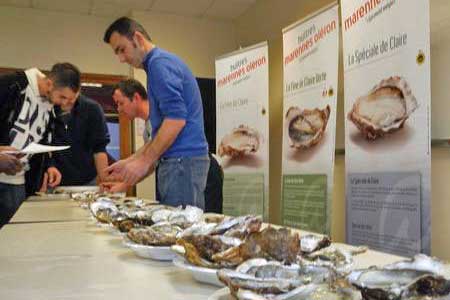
(162, 56)
(89, 103)
(17, 79)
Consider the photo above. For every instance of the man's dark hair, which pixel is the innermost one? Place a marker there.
(125, 26)
(130, 86)
(65, 75)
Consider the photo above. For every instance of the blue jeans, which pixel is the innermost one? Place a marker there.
(11, 197)
(182, 181)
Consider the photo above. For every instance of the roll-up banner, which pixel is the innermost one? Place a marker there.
(242, 131)
(387, 104)
(311, 57)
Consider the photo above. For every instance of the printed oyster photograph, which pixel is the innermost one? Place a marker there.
(241, 147)
(306, 130)
(381, 114)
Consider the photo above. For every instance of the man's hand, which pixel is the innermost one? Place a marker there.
(113, 187)
(54, 177)
(9, 164)
(131, 170)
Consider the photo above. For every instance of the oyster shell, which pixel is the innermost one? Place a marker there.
(264, 277)
(186, 217)
(199, 249)
(238, 227)
(161, 234)
(384, 109)
(306, 127)
(201, 228)
(242, 140)
(177, 216)
(334, 257)
(421, 276)
(310, 243)
(103, 209)
(277, 244)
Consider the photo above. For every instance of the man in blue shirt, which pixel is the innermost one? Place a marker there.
(176, 114)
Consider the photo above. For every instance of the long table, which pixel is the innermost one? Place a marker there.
(56, 255)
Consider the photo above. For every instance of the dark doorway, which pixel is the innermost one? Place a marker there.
(208, 91)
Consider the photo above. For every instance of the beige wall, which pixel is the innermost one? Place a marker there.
(31, 37)
(262, 23)
(197, 41)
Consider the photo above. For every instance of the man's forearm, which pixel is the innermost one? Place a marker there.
(165, 137)
(101, 163)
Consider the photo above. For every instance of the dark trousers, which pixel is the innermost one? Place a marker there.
(11, 197)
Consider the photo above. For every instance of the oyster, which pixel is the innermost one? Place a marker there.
(419, 277)
(269, 278)
(310, 243)
(277, 244)
(334, 257)
(161, 234)
(238, 227)
(177, 216)
(422, 262)
(306, 127)
(103, 209)
(384, 109)
(200, 228)
(240, 141)
(199, 249)
(186, 217)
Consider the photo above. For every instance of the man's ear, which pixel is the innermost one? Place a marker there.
(49, 84)
(137, 97)
(139, 39)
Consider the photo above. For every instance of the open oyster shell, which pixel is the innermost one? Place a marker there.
(276, 244)
(310, 243)
(161, 234)
(413, 279)
(240, 141)
(103, 209)
(306, 127)
(199, 249)
(384, 109)
(334, 257)
(269, 278)
(239, 227)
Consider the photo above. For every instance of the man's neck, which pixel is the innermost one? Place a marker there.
(42, 85)
(143, 110)
(148, 47)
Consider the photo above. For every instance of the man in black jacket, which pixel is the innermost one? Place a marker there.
(25, 116)
(81, 123)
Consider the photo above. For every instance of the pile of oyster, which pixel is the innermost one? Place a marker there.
(306, 127)
(242, 140)
(125, 214)
(213, 245)
(421, 278)
(168, 224)
(384, 109)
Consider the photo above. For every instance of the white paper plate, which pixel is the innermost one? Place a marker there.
(152, 252)
(222, 294)
(200, 274)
